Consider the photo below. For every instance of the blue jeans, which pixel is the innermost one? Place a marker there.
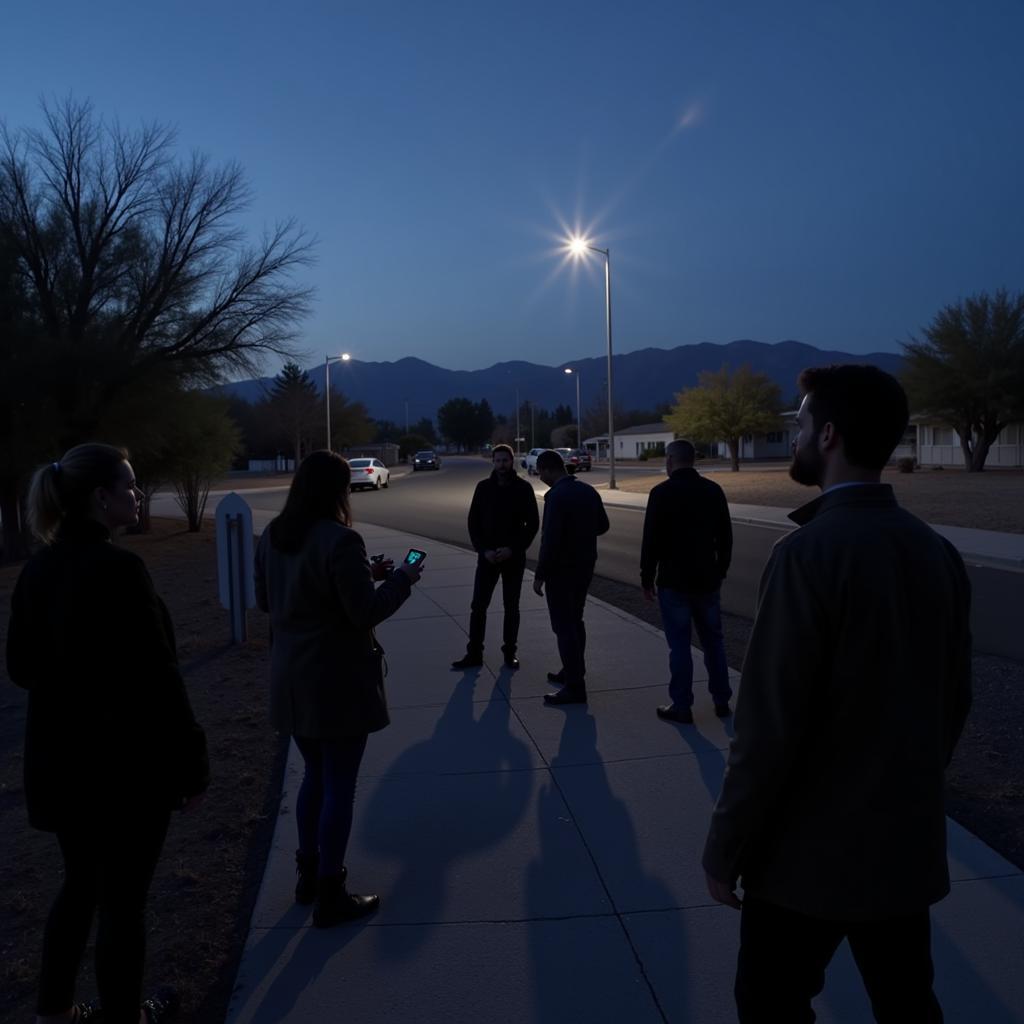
(323, 808)
(678, 610)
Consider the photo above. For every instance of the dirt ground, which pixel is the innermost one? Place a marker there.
(993, 500)
(213, 861)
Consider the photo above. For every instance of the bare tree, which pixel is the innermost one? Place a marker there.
(130, 260)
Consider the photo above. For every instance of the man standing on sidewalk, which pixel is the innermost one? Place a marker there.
(855, 688)
(574, 517)
(503, 521)
(687, 546)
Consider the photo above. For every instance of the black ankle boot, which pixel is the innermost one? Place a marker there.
(305, 878)
(335, 904)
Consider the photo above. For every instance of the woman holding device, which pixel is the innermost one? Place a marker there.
(326, 668)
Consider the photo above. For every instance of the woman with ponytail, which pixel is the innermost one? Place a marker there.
(111, 744)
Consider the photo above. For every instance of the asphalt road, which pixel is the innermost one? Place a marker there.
(434, 504)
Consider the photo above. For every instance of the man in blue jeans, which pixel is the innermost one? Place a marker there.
(686, 550)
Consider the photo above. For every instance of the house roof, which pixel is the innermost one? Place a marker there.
(646, 428)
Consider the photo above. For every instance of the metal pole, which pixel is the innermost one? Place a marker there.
(327, 398)
(579, 417)
(533, 428)
(241, 631)
(517, 421)
(407, 415)
(608, 319)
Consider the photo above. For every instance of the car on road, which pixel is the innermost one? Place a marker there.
(571, 464)
(580, 458)
(370, 473)
(529, 462)
(426, 460)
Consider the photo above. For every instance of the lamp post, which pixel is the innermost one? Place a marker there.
(579, 247)
(579, 417)
(343, 358)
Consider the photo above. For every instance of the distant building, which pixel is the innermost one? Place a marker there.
(631, 442)
(939, 445)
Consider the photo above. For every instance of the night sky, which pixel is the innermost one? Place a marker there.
(826, 172)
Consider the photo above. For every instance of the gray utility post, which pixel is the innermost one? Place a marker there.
(235, 584)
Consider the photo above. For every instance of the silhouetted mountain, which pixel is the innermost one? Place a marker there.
(641, 379)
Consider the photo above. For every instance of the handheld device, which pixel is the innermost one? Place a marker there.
(415, 557)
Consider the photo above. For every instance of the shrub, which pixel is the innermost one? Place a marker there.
(907, 464)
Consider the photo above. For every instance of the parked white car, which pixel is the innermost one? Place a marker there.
(529, 462)
(369, 473)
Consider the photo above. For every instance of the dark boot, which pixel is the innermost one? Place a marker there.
(305, 877)
(472, 659)
(335, 904)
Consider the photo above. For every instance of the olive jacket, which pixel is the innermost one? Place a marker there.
(326, 668)
(854, 691)
(109, 722)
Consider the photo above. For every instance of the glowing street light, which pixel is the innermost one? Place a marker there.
(343, 358)
(579, 418)
(579, 247)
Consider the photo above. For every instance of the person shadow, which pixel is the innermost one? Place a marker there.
(562, 951)
(434, 817)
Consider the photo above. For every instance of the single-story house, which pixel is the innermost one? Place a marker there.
(630, 442)
(939, 445)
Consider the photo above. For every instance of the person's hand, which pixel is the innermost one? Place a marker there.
(414, 572)
(538, 586)
(382, 569)
(649, 593)
(723, 892)
(503, 554)
(491, 556)
(192, 803)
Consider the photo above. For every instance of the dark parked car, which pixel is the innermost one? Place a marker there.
(580, 458)
(426, 460)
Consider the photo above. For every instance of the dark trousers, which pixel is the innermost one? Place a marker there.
(783, 956)
(566, 596)
(108, 868)
(510, 572)
(680, 610)
(323, 808)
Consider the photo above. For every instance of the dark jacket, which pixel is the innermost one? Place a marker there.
(574, 517)
(109, 721)
(855, 688)
(687, 535)
(325, 674)
(503, 515)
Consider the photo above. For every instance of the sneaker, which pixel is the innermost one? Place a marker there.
(162, 1005)
(723, 710)
(469, 661)
(670, 713)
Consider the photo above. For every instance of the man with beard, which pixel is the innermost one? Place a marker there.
(574, 517)
(854, 691)
(687, 545)
(503, 520)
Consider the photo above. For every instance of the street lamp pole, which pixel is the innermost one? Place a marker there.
(517, 421)
(343, 358)
(579, 246)
(579, 416)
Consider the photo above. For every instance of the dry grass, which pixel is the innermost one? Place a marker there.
(985, 501)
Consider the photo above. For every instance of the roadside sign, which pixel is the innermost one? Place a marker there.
(236, 589)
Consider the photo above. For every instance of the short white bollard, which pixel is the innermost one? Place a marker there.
(235, 561)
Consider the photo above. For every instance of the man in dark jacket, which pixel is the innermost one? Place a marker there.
(503, 521)
(574, 517)
(855, 688)
(686, 549)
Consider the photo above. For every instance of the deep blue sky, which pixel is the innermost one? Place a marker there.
(830, 172)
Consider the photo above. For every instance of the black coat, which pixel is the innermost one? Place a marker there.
(687, 542)
(503, 515)
(326, 676)
(109, 721)
(574, 517)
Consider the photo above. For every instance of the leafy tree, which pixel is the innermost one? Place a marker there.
(466, 424)
(968, 371)
(725, 406)
(386, 430)
(296, 405)
(117, 260)
(409, 444)
(425, 429)
(350, 423)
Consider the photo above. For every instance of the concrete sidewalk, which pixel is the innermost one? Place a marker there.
(543, 865)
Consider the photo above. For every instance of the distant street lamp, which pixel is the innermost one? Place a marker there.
(579, 418)
(579, 247)
(343, 358)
